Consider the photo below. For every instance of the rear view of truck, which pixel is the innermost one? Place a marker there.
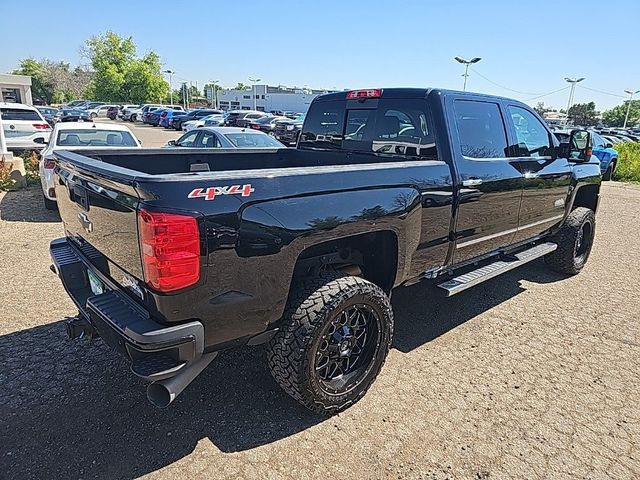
(114, 255)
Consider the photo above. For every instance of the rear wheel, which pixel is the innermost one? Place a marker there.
(337, 334)
(50, 204)
(574, 241)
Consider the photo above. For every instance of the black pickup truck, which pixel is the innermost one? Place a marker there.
(174, 255)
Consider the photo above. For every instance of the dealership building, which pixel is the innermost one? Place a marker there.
(268, 98)
(15, 88)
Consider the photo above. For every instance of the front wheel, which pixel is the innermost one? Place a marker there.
(574, 240)
(608, 175)
(50, 204)
(337, 334)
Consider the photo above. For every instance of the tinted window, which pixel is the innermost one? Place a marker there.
(480, 129)
(358, 129)
(19, 114)
(401, 128)
(207, 140)
(533, 138)
(323, 125)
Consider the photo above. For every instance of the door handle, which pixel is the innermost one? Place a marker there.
(472, 182)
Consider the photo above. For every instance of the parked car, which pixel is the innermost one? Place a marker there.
(225, 137)
(234, 115)
(74, 115)
(79, 136)
(24, 126)
(152, 117)
(74, 104)
(288, 131)
(179, 120)
(602, 148)
(167, 117)
(215, 120)
(612, 139)
(100, 110)
(244, 121)
(190, 253)
(122, 108)
(49, 114)
(91, 105)
(266, 124)
(137, 114)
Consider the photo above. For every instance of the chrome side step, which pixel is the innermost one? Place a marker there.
(468, 280)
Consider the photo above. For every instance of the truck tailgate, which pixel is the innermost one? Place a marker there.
(100, 212)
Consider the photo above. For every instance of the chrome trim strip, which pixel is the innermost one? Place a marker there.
(507, 232)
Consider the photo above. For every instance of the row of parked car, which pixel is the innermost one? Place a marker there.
(284, 126)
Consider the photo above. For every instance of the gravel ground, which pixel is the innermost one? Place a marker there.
(530, 375)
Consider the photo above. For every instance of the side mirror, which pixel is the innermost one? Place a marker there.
(171, 143)
(40, 140)
(580, 146)
(609, 145)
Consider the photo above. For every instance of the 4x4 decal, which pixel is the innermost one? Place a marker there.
(211, 193)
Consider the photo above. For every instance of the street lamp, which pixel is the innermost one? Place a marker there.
(253, 90)
(631, 94)
(170, 72)
(573, 82)
(214, 92)
(466, 68)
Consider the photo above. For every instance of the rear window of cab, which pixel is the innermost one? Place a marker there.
(381, 126)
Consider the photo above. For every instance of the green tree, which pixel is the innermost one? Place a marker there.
(541, 109)
(119, 74)
(583, 114)
(41, 87)
(615, 116)
(241, 86)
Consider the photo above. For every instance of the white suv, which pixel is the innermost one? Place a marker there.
(24, 127)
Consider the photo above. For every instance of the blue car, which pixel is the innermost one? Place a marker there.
(167, 117)
(602, 148)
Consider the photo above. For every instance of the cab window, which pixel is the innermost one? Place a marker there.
(533, 138)
(324, 125)
(402, 128)
(187, 139)
(480, 129)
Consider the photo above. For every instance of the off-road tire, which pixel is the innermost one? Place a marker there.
(313, 304)
(572, 252)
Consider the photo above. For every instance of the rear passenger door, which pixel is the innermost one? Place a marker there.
(546, 177)
(490, 182)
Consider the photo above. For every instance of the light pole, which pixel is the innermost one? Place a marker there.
(466, 68)
(631, 94)
(170, 72)
(253, 91)
(214, 92)
(573, 82)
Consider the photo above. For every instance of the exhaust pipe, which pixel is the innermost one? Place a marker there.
(163, 392)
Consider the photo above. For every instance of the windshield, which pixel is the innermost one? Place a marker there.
(73, 112)
(95, 138)
(253, 140)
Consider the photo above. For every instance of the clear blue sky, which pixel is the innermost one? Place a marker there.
(527, 46)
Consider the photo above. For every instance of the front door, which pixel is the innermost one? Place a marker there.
(546, 177)
(490, 182)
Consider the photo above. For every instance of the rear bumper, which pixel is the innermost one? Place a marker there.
(156, 351)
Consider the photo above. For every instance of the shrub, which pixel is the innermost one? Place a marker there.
(6, 182)
(628, 168)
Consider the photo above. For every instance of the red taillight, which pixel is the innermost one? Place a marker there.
(42, 126)
(170, 249)
(371, 93)
(49, 163)
(255, 127)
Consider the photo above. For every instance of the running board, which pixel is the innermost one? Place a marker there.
(468, 280)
